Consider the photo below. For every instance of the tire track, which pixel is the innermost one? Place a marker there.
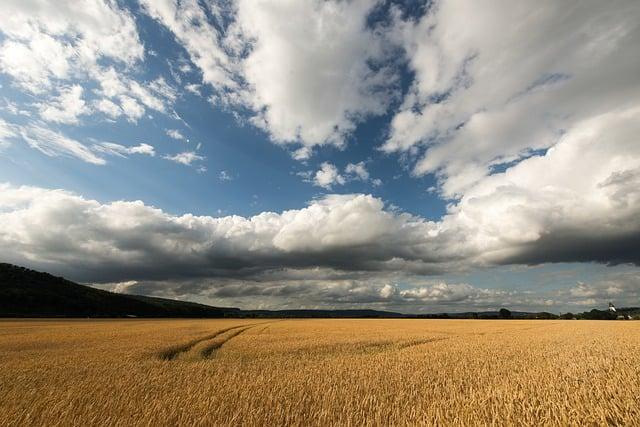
(420, 342)
(207, 351)
(173, 352)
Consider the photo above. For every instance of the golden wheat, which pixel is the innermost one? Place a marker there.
(319, 372)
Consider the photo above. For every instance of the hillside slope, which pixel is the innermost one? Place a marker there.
(29, 293)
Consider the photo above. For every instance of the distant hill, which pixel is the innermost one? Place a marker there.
(29, 293)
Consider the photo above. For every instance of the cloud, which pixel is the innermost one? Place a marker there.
(328, 176)
(122, 150)
(7, 132)
(131, 108)
(50, 41)
(194, 89)
(56, 50)
(131, 241)
(358, 170)
(286, 291)
(175, 134)
(133, 97)
(499, 224)
(577, 202)
(340, 249)
(189, 23)
(186, 158)
(495, 92)
(224, 176)
(308, 72)
(66, 107)
(620, 288)
(55, 144)
(109, 108)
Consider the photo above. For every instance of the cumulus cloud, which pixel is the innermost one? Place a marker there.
(48, 41)
(328, 176)
(131, 108)
(325, 288)
(348, 233)
(497, 81)
(57, 49)
(308, 71)
(109, 108)
(345, 249)
(147, 243)
(616, 287)
(577, 202)
(66, 107)
(358, 171)
(175, 134)
(527, 115)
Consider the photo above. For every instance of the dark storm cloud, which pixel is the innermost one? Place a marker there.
(581, 246)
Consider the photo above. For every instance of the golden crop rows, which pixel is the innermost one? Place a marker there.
(319, 372)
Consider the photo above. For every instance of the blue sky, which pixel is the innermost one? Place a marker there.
(325, 154)
(263, 176)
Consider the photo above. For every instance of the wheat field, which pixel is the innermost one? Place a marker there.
(319, 372)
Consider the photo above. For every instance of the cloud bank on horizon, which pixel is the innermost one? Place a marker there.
(524, 117)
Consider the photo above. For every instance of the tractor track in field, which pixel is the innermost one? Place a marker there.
(421, 342)
(206, 350)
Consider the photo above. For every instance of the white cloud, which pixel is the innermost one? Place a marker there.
(194, 89)
(358, 171)
(133, 96)
(186, 158)
(131, 108)
(303, 68)
(7, 132)
(445, 292)
(136, 237)
(308, 72)
(224, 176)
(47, 41)
(579, 201)
(35, 62)
(109, 108)
(328, 176)
(122, 150)
(495, 81)
(49, 47)
(55, 144)
(302, 153)
(176, 134)
(66, 107)
(190, 25)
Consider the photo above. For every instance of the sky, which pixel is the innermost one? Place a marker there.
(416, 156)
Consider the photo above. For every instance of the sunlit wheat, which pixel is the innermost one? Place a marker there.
(319, 372)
